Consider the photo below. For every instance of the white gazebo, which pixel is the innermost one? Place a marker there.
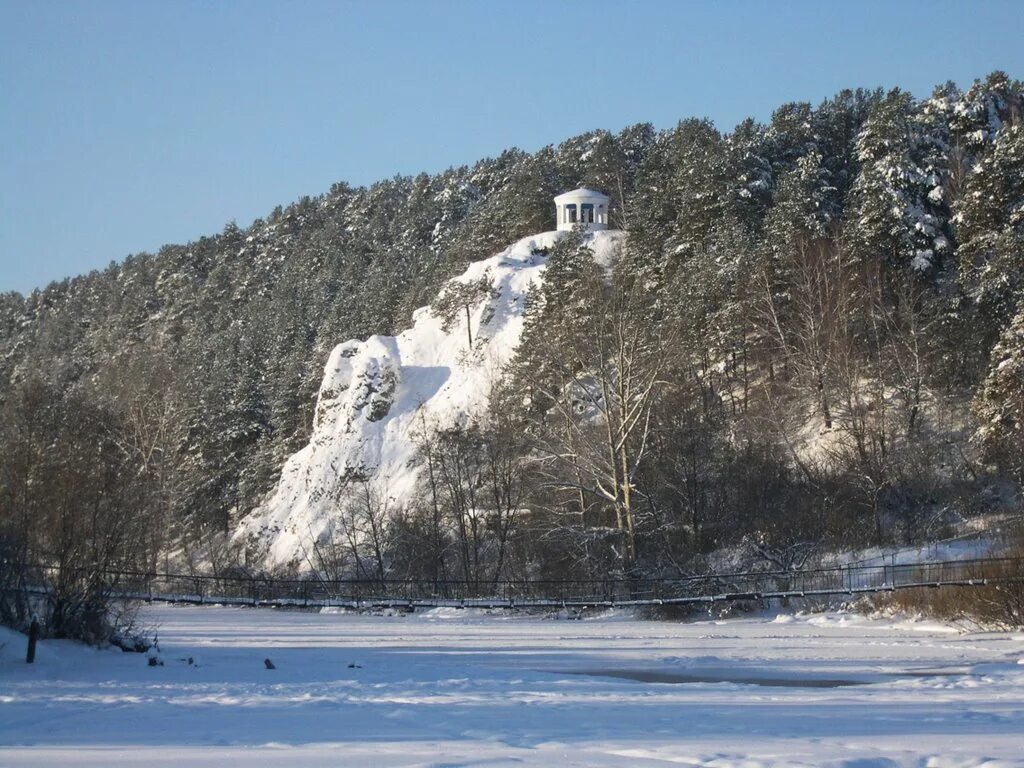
(582, 207)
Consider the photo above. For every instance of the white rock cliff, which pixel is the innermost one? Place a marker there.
(378, 395)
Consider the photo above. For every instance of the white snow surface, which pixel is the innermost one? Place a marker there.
(449, 688)
(378, 395)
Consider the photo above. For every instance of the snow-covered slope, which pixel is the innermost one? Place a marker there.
(378, 395)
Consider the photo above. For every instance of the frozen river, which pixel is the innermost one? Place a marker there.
(451, 688)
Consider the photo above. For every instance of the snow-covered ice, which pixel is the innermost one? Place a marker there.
(455, 687)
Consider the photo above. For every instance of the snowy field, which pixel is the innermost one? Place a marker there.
(450, 688)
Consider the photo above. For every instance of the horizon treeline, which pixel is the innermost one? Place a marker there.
(812, 337)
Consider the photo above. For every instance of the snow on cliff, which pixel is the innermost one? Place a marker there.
(378, 395)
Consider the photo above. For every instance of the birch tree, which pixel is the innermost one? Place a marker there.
(599, 380)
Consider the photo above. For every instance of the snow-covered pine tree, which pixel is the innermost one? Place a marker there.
(1000, 403)
(899, 214)
(990, 229)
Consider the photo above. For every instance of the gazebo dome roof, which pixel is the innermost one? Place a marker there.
(582, 192)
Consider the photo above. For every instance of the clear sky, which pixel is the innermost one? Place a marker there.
(126, 125)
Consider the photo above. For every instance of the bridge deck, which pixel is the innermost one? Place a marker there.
(701, 589)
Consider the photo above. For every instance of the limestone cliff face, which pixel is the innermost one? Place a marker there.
(378, 396)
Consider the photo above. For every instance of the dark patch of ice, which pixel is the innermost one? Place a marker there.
(683, 678)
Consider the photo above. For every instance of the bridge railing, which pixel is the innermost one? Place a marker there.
(252, 589)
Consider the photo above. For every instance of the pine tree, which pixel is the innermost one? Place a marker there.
(557, 313)
(1000, 404)
(750, 167)
(899, 214)
(457, 301)
(990, 228)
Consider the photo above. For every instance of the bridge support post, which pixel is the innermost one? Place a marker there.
(33, 636)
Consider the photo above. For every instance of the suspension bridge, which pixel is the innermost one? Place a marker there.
(691, 590)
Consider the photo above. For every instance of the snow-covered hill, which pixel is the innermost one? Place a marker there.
(378, 395)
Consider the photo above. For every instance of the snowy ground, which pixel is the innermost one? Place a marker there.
(451, 688)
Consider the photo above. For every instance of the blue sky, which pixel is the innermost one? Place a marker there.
(126, 125)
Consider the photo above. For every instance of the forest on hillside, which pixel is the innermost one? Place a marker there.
(813, 338)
